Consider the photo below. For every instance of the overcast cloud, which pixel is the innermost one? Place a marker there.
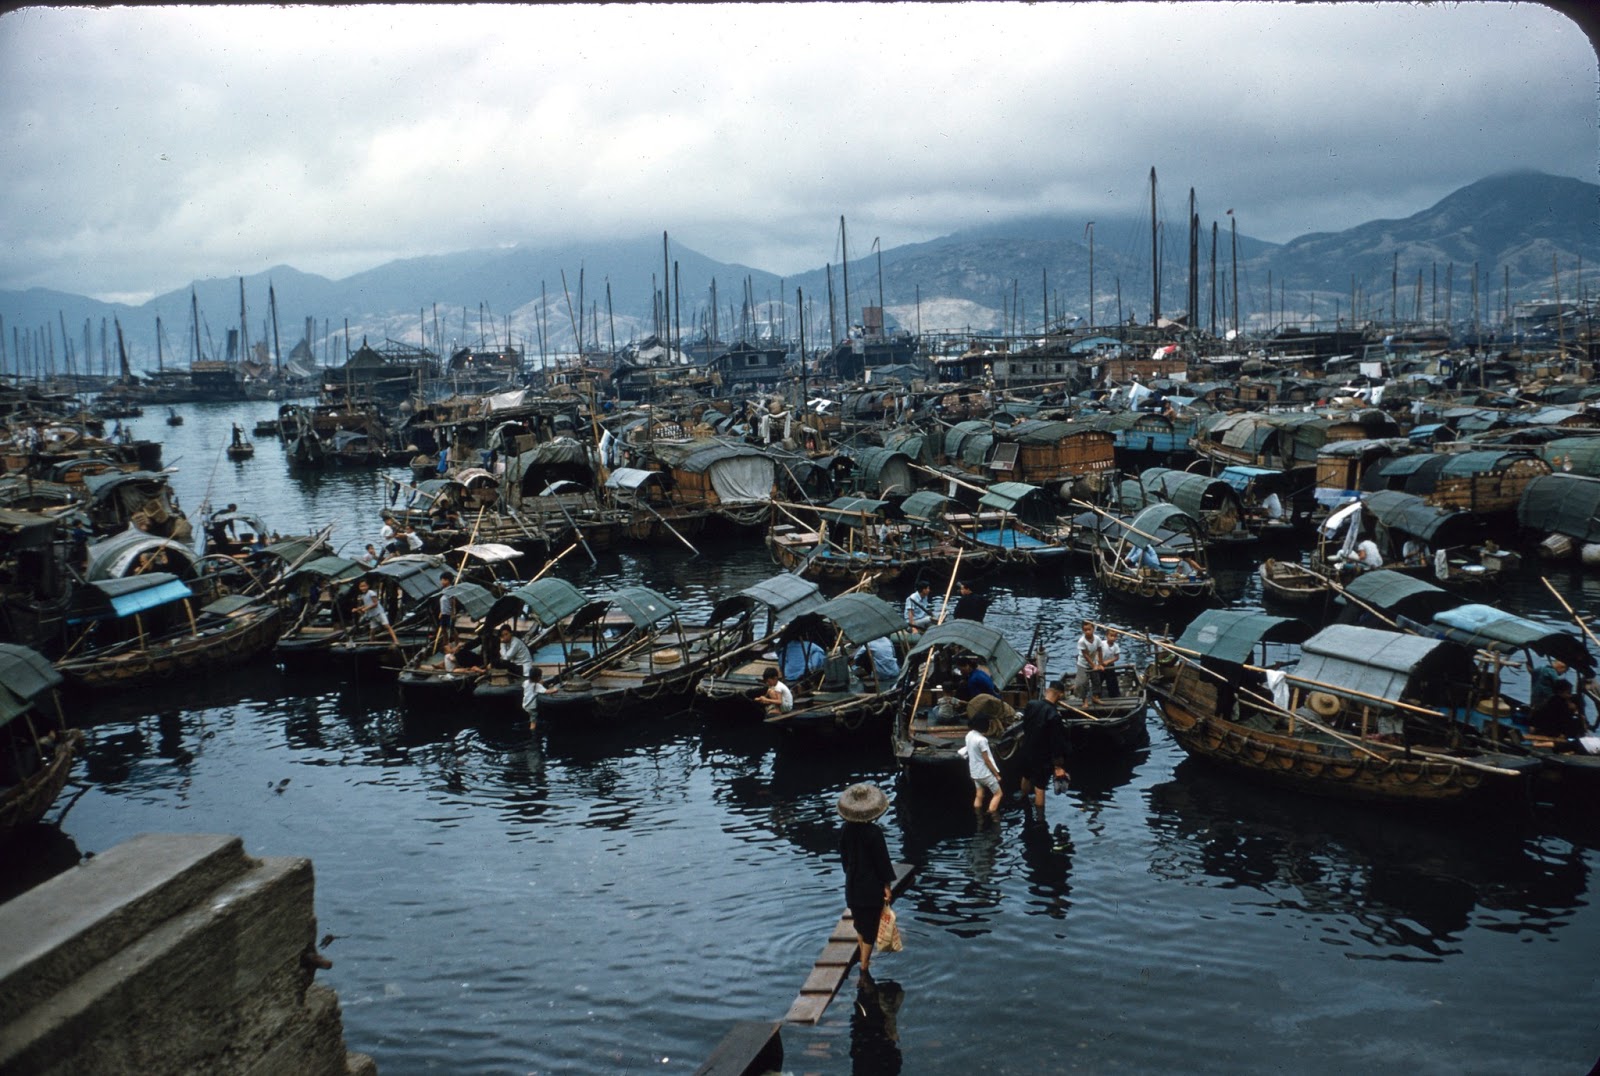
(145, 147)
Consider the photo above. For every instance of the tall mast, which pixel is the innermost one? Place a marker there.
(1194, 263)
(805, 394)
(194, 316)
(1155, 264)
(244, 326)
(272, 307)
(1090, 229)
(879, 247)
(1234, 223)
(1212, 324)
(122, 354)
(844, 260)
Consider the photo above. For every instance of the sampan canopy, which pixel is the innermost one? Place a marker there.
(977, 639)
(1231, 634)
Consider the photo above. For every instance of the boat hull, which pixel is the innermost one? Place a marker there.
(1338, 771)
(229, 645)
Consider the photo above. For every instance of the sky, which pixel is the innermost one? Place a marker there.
(146, 147)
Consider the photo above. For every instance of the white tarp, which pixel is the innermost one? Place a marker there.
(743, 479)
(502, 401)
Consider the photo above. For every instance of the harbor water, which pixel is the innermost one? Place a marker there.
(613, 899)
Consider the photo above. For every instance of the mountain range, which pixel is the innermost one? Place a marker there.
(1529, 234)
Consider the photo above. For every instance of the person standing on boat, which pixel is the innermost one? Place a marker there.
(920, 607)
(372, 612)
(1545, 679)
(1559, 716)
(972, 604)
(448, 608)
(1088, 660)
(1110, 655)
(514, 653)
(1042, 755)
(868, 871)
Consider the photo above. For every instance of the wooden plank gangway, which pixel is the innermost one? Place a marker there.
(835, 961)
(756, 1046)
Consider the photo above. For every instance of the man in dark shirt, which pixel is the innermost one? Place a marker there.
(1042, 755)
(972, 604)
(975, 681)
(1558, 716)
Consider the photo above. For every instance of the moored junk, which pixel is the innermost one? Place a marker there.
(1072, 458)
(839, 661)
(653, 660)
(1212, 502)
(851, 537)
(1155, 557)
(36, 747)
(1362, 715)
(1012, 523)
(933, 711)
(135, 629)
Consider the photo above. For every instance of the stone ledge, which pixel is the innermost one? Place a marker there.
(219, 986)
(55, 932)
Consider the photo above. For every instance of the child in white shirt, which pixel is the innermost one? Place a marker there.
(980, 765)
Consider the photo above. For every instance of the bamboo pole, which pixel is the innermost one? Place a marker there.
(1117, 520)
(927, 662)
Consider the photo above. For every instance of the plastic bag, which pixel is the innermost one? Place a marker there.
(889, 940)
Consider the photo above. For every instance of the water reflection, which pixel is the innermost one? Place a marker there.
(875, 1027)
(1047, 862)
(1384, 886)
(791, 792)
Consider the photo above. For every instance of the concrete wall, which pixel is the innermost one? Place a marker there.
(167, 954)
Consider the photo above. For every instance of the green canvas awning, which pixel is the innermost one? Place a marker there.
(1562, 504)
(548, 600)
(786, 596)
(333, 569)
(976, 638)
(1231, 634)
(1395, 593)
(416, 578)
(925, 505)
(24, 676)
(853, 511)
(1355, 661)
(859, 618)
(1005, 496)
(641, 605)
(472, 599)
(1158, 525)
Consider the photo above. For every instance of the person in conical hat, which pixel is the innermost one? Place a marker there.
(868, 872)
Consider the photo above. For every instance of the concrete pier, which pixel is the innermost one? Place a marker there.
(166, 954)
